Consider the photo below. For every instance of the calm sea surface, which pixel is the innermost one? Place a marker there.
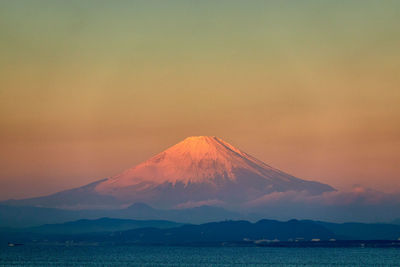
(195, 256)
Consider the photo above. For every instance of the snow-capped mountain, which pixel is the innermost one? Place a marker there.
(200, 170)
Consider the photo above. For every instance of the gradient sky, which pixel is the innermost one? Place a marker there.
(90, 88)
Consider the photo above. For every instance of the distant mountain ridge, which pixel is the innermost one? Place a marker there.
(26, 216)
(99, 225)
(229, 231)
(121, 231)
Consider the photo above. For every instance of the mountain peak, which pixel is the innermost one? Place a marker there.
(203, 147)
(198, 142)
(196, 159)
(199, 137)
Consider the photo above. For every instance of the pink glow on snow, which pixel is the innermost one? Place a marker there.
(196, 159)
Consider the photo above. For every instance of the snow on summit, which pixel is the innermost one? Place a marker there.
(196, 159)
(200, 160)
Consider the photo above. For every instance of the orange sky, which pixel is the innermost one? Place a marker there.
(90, 89)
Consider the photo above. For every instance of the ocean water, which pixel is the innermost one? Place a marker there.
(30, 255)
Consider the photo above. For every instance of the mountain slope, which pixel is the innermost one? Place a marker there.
(76, 198)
